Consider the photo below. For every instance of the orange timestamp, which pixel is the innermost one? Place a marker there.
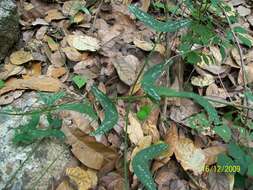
(222, 169)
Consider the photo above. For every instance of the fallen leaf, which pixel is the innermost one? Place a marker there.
(56, 72)
(212, 152)
(54, 14)
(248, 74)
(218, 181)
(148, 46)
(189, 156)
(35, 69)
(202, 81)
(83, 42)
(51, 43)
(127, 68)
(64, 186)
(70, 8)
(134, 129)
(10, 70)
(41, 83)
(84, 179)
(214, 91)
(20, 57)
(72, 54)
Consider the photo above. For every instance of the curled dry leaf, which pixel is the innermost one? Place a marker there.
(148, 46)
(248, 74)
(202, 81)
(20, 57)
(54, 14)
(189, 156)
(127, 68)
(72, 54)
(134, 129)
(212, 152)
(64, 186)
(41, 83)
(84, 179)
(56, 72)
(10, 70)
(83, 42)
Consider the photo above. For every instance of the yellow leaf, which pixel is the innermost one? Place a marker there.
(64, 186)
(84, 179)
(20, 57)
(134, 130)
(148, 46)
(54, 14)
(202, 81)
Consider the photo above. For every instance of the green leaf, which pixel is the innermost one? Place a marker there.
(250, 170)
(235, 151)
(224, 160)
(80, 81)
(148, 86)
(144, 112)
(84, 107)
(193, 57)
(2, 84)
(224, 132)
(140, 164)
(26, 134)
(111, 113)
(199, 121)
(148, 20)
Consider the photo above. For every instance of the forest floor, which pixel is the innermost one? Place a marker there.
(84, 66)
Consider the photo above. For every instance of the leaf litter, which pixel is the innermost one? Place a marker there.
(106, 45)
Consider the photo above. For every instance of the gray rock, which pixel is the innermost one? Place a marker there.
(50, 153)
(9, 26)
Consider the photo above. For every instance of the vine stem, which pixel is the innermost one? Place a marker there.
(244, 79)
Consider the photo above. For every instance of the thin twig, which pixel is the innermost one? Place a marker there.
(244, 79)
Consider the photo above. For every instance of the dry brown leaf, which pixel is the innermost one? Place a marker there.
(10, 97)
(145, 5)
(41, 83)
(87, 155)
(83, 42)
(58, 59)
(149, 127)
(212, 152)
(69, 8)
(214, 91)
(56, 72)
(72, 54)
(215, 51)
(248, 74)
(35, 69)
(20, 57)
(10, 70)
(127, 68)
(189, 156)
(148, 46)
(78, 18)
(84, 179)
(134, 129)
(54, 14)
(202, 81)
(51, 43)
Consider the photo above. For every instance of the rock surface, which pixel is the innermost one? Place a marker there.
(9, 26)
(46, 162)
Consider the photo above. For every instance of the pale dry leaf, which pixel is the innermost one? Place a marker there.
(84, 179)
(54, 14)
(236, 56)
(20, 57)
(127, 68)
(218, 181)
(70, 8)
(83, 42)
(216, 54)
(51, 43)
(56, 72)
(72, 54)
(149, 46)
(58, 59)
(88, 156)
(10, 70)
(145, 5)
(143, 143)
(78, 18)
(248, 74)
(41, 83)
(64, 186)
(10, 97)
(217, 93)
(212, 153)
(202, 81)
(134, 129)
(190, 157)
